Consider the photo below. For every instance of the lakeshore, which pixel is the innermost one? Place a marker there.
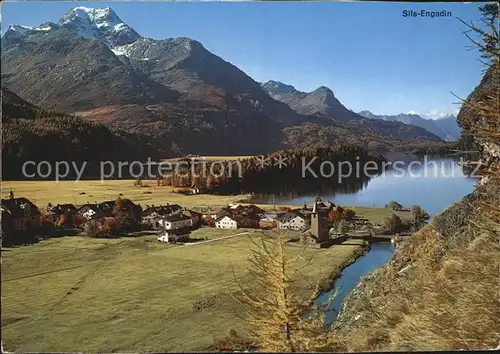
(81, 192)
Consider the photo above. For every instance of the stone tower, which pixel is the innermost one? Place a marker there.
(317, 227)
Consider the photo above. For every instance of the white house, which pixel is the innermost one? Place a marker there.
(88, 211)
(292, 221)
(89, 214)
(176, 221)
(163, 237)
(226, 222)
(166, 236)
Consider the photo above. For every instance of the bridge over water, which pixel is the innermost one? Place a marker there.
(368, 237)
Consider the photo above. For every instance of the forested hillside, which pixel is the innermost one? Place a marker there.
(30, 133)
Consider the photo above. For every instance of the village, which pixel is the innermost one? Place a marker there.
(318, 223)
(126, 249)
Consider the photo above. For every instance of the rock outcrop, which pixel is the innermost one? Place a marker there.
(484, 122)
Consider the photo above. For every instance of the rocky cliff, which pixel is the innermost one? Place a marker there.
(480, 115)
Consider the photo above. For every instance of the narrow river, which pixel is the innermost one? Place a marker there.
(433, 191)
(379, 254)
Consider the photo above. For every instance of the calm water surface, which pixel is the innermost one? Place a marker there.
(380, 253)
(434, 186)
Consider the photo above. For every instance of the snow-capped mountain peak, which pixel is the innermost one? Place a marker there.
(16, 31)
(100, 17)
(277, 87)
(89, 23)
(47, 26)
(101, 23)
(19, 28)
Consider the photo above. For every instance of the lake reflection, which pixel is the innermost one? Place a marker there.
(433, 185)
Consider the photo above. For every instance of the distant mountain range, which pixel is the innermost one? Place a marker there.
(323, 101)
(187, 99)
(446, 128)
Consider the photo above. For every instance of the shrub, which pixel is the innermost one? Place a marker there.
(393, 223)
(113, 226)
(185, 191)
(418, 214)
(207, 220)
(335, 215)
(340, 213)
(78, 220)
(62, 222)
(138, 182)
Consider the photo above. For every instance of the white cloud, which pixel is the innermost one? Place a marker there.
(441, 112)
(436, 113)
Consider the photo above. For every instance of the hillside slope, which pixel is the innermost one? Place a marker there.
(30, 133)
(14, 106)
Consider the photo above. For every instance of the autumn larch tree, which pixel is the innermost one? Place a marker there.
(276, 315)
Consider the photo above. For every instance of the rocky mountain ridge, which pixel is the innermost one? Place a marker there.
(323, 101)
(93, 65)
(320, 101)
(446, 127)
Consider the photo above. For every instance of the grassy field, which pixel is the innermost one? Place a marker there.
(377, 215)
(43, 192)
(133, 294)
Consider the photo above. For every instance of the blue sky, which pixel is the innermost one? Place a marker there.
(371, 56)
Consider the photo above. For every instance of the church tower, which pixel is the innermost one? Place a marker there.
(317, 227)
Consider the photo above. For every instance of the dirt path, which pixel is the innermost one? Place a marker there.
(215, 239)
